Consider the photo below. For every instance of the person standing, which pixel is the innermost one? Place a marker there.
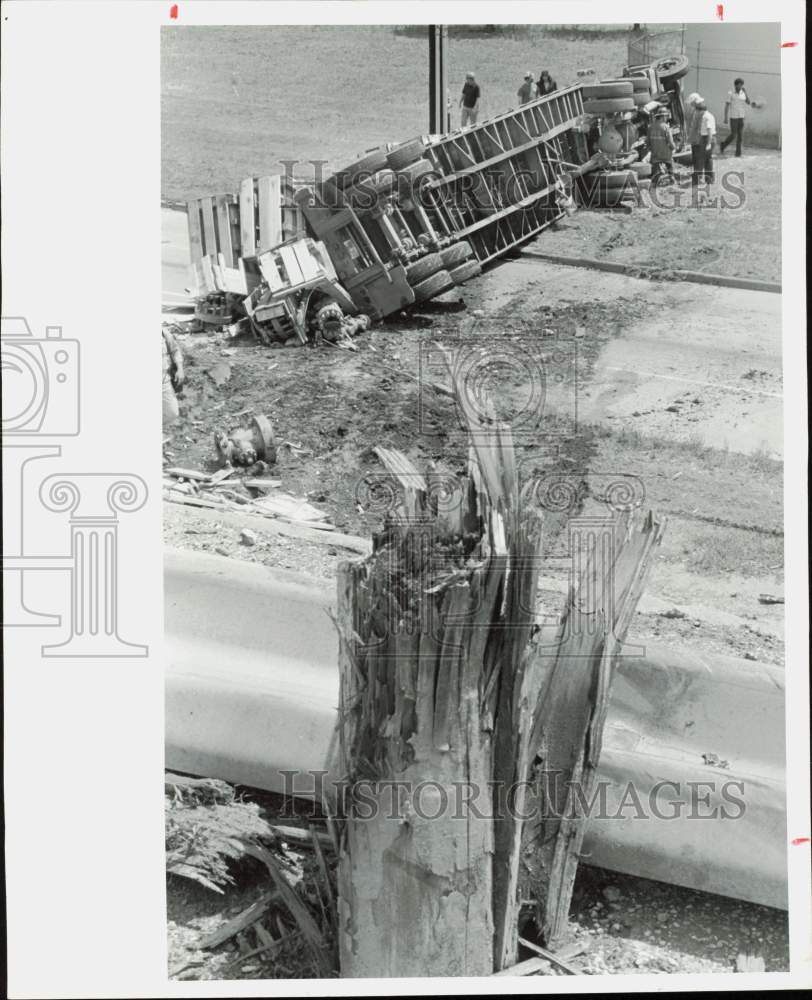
(703, 164)
(662, 146)
(546, 84)
(692, 134)
(469, 101)
(527, 92)
(735, 112)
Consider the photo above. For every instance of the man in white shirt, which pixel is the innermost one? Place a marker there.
(702, 132)
(735, 111)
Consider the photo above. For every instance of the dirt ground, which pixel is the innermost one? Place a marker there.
(330, 408)
(674, 236)
(626, 924)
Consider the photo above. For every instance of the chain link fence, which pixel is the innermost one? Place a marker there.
(648, 47)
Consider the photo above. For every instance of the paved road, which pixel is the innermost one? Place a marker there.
(174, 256)
(720, 347)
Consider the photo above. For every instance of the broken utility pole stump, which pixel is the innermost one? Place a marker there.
(452, 705)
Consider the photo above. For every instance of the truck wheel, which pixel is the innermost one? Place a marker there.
(370, 164)
(365, 192)
(607, 90)
(435, 285)
(608, 106)
(609, 199)
(456, 254)
(613, 179)
(406, 153)
(470, 269)
(417, 169)
(672, 68)
(424, 268)
(330, 193)
(637, 82)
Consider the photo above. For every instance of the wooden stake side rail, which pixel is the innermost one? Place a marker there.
(260, 216)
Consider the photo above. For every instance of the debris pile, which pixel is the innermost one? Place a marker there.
(209, 830)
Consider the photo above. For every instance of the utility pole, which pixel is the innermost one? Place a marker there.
(438, 78)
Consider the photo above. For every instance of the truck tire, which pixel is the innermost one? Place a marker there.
(456, 254)
(424, 268)
(637, 82)
(438, 283)
(470, 269)
(370, 164)
(330, 193)
(612, 179)
(366, 192)
(608, 90)
(672, 68)
(609, 199)
(608, 106)
(406, 153)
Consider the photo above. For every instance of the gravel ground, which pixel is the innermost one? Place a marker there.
(743, 240)
(626, 925)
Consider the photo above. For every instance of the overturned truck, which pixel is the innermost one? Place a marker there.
(411, 221)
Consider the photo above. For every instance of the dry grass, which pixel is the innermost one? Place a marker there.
(235, 100)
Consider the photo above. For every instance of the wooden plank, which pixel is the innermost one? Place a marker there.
(291, 265)
(247, 223)
(195, 235)
(199, 277)
(224, 229)
(233, 279)
(270, 211)
(209, 230)
(270, 272)
(208, 274)
(309, 267)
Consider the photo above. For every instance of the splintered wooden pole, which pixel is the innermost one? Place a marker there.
(468, 738)
(424, 655)
(575, 674)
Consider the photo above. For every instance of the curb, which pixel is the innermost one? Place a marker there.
(655, 274)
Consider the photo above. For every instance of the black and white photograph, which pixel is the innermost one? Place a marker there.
(464, 635)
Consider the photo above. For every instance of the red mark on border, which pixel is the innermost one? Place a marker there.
(788, 45)
(800, 840)
(720, 11)
(173, 12)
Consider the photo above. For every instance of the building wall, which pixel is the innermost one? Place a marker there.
(720, 52)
